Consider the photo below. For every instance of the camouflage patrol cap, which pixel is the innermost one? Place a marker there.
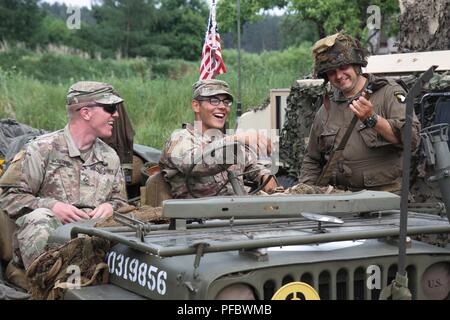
(336, 51)
(87, 91)
(208, 88)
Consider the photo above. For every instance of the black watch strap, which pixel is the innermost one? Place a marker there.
(371, 121)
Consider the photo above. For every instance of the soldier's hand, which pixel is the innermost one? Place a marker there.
(67, 213)
(362, 108)
(102, 211)
(271, 185)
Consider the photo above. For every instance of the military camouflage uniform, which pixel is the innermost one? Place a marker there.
(188, 145)
(369, 161)
(50, 169)
(181, 150)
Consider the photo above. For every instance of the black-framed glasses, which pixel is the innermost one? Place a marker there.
(227, 102)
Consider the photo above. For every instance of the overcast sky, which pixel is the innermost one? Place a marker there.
(79, 3)
(87, 3)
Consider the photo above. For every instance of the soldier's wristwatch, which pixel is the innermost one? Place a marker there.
(371, 121)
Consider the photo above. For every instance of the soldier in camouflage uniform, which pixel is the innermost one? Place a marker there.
(372, 157)
(211, 103)
(65, 176)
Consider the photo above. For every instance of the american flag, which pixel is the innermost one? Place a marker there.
(212, 62)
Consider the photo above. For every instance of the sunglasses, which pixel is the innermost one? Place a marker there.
(109, 108)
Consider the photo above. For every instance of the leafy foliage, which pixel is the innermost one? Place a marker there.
(329, 16)
(19, 19)
(249, 9)
(113, 28)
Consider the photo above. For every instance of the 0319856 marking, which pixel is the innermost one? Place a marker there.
(133, 270)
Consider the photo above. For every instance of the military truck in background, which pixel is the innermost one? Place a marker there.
(282, 246)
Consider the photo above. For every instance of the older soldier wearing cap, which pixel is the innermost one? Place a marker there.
(211, 103)
(371, 158)
(65, 176)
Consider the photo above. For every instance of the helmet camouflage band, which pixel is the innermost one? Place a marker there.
(336, 51)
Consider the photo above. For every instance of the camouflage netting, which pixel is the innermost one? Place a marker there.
(52, 272)
(143, 213)
(305, 99)
(302, 104)
(424, 25)
(303, 188)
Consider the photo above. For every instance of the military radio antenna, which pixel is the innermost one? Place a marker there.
(238, 104)
(400, 283)
(413, 92)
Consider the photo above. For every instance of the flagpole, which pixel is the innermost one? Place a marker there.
(213, 35)
(239, 106)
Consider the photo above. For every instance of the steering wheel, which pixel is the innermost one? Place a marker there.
(233, 178)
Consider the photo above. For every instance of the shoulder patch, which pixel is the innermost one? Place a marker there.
(400, 96)
(18, 156)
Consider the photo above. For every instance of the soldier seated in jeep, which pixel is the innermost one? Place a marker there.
(374, 107)
(191, 171)
(65, 176)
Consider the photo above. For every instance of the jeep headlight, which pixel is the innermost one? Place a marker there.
(237, 291)
(436, 281)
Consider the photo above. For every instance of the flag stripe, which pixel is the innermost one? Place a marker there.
(212, 62)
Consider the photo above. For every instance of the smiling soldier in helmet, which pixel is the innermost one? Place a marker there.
(372, 155)
(67, 175)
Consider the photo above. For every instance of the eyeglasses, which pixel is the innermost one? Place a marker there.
(216, 101)
(110, 108)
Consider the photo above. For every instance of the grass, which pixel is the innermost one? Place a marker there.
(157, 93)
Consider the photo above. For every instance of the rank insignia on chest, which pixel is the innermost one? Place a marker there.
(400, 96)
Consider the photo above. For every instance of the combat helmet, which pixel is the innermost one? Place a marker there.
(336, 51)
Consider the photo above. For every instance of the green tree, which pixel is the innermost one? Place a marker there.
(59, 10)
(182, 25)
(20, 20)
(348, 15)
(249, 12)
(329, 16)
(293, 32)
(125, 26)
(166, 29)
(54, 30)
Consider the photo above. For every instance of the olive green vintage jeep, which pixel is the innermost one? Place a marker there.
(344, 246)
(251, 246)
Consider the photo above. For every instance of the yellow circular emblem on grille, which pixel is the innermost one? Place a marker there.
(296, 291)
